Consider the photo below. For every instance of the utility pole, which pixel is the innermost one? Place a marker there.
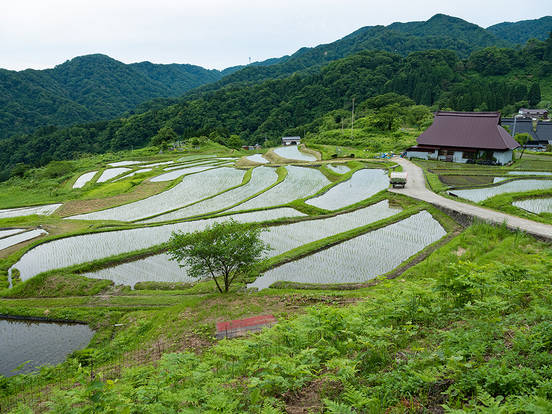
(353, 118)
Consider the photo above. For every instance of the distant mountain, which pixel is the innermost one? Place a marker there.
(439, 32)
(96, 87)
(89, 88)
(520, 32)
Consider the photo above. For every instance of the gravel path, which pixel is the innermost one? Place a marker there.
(415, 187)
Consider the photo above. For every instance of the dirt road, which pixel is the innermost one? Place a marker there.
(416, 188)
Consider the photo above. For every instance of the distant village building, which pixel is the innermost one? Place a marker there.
(465, 137)
(534, 113)
(291, 140)
(540, 131)
(251, 147)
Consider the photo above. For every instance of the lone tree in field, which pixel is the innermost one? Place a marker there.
(222, 252)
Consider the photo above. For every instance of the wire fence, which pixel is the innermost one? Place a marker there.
(37, 389)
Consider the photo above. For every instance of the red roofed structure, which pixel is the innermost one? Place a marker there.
(465, 137)
(240, 327)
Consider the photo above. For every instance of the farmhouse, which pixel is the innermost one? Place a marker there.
(540, 131)
(534, 113)
(291, 140)
(465, 137)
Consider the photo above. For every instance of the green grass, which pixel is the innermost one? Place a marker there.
(468, 327)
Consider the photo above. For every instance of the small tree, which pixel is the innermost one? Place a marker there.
(164, 135)
(222, 252)
(522, 139)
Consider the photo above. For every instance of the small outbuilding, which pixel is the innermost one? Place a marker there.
(291, 140)
(534, 113)
(540, 131)
(466, 137)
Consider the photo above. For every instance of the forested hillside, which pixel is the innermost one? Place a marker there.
(520, 32)
(88, 88)
(490, 79)
(439, 32)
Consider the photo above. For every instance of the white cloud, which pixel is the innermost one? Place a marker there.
(210, 33)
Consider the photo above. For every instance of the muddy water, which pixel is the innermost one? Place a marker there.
(40, 343)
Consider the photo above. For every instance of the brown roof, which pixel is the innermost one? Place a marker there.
(467, 130)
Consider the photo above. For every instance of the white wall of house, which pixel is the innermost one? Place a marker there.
(503, 157)
(422, 155)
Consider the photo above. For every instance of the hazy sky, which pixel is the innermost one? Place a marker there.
(212, 33)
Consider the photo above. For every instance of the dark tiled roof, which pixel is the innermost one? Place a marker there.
(542, 134)
(467, 130)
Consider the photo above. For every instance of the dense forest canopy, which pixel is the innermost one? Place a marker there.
(89, 88)
(95, 87)
(266, 110)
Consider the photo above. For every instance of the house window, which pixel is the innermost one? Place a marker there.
(468, 155)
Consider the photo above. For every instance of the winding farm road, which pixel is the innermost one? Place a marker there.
(416, 188)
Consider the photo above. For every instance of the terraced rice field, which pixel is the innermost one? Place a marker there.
(133, 173)
(300, 182)
(529, 173)
(158, 268)
(193, 188)
(338, 168)
(112, 173)
(84, 179)
(363, 184)
(362, 258)
(124, 163)
(10, 232)
(257, 158)
(281, 238)
(535, 205)
(44, 210)
(173, 175)
(261, 178)
(292, 153)
(80, 249)
(20, 238)
(480, 194)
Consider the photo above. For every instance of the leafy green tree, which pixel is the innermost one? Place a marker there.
(222, 252)
(534, 95)
(522, 139)
(164, 135)
(234, 141)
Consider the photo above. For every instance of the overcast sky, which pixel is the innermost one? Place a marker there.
(212, 33)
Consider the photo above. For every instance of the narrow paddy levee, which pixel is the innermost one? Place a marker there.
(30, 344)
(363, 184)
(300, 182)
(261, 178)
(361, 258)
(191, 189)
(75, 250)
(281, 238)
(480, 194)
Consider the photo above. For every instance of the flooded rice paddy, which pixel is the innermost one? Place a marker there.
(362, 258)
(281, 239)
(292, 153)
(535, 205)
(481, 194)
(363, 184)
